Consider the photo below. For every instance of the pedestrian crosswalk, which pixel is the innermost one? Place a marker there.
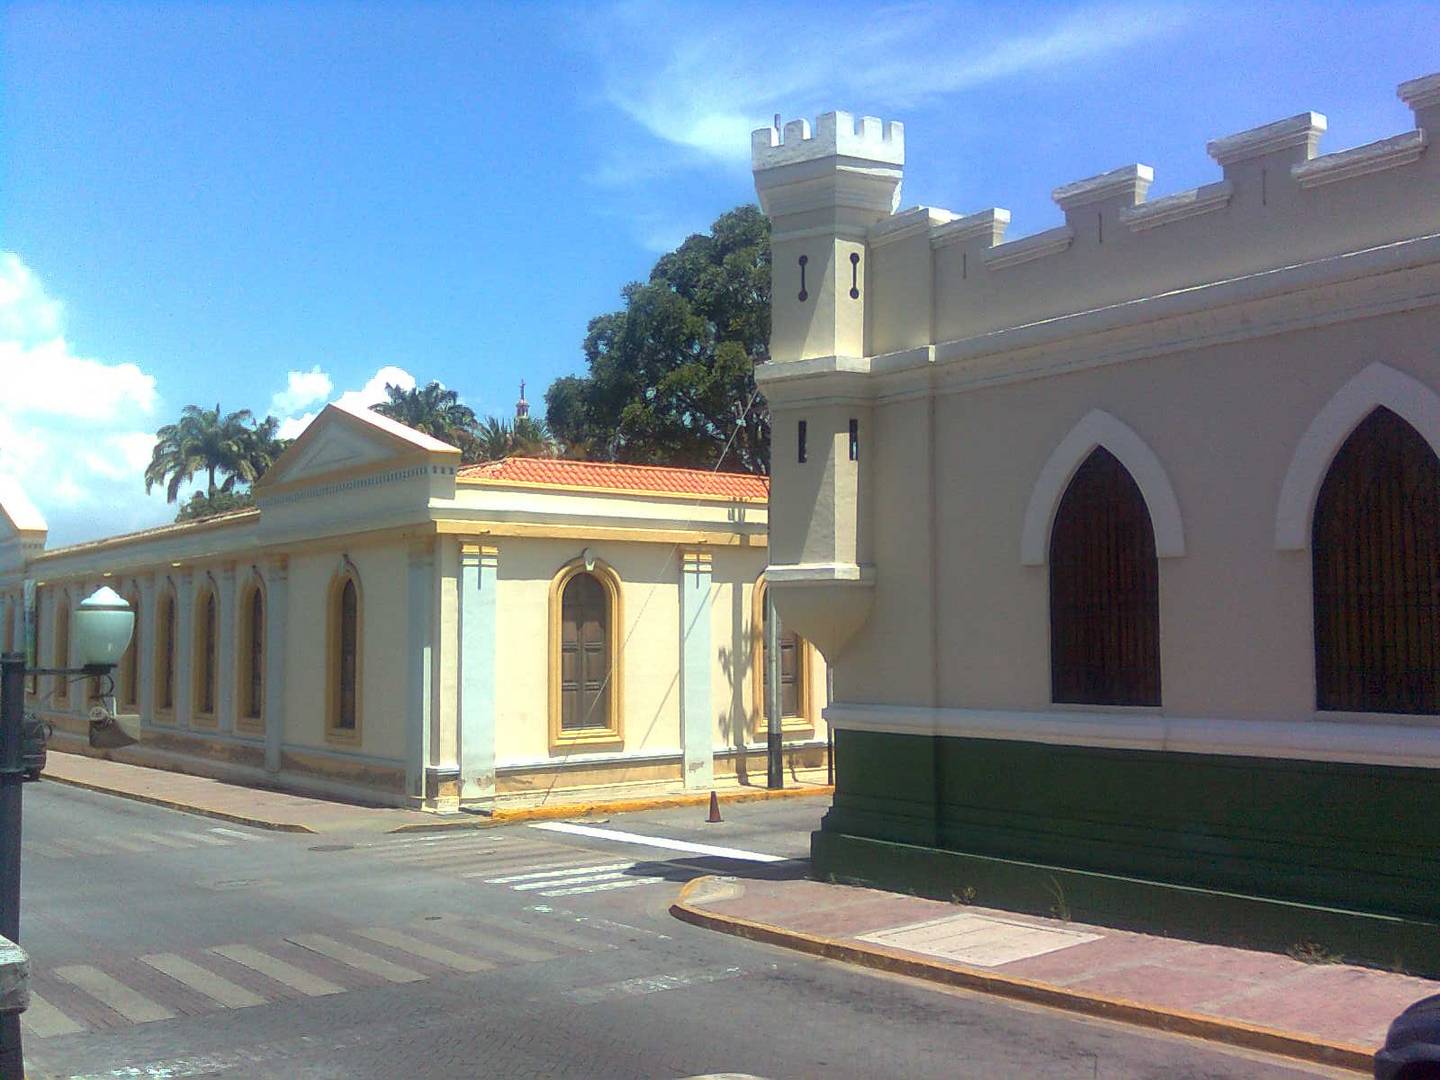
(524, 865)
(71, 847)
(107, 993)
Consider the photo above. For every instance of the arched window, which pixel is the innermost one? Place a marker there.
(343, 720)
(165, 650)
(796, 711)
(252, 657)
(206, 627)
(1376, 556)
(585, 655)
(1104, 590)
(61, 658)
(130, 662)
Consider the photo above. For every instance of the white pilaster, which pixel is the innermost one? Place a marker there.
(420, 640)
(276, 616)
(696, 741)
(479, 570)
(226, 668)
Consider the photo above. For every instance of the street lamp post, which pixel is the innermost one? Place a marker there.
(104, 623)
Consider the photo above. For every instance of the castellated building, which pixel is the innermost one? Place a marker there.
(392, 627)
(1123, 538)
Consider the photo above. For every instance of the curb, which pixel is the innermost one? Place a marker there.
(566, 811)
(1173, 1021)
(174, 804)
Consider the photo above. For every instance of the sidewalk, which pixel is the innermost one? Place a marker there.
(278, 810)
(1332, 1014)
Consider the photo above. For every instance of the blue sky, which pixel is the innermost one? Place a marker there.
(272, 206)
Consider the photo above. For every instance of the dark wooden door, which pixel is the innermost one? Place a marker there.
(1104, 590)
(1376, 547)
(584, 655)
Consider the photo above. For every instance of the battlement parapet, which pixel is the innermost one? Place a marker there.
(836, 134)
(1279, 203)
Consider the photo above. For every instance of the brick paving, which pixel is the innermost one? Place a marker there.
(1337, 1003)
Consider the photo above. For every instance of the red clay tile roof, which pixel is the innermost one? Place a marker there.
(556, 472)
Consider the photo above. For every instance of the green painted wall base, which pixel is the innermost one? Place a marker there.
(1397, 943)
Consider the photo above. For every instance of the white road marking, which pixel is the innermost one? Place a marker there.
(43, 1020)
(236, 833)
(592, 920)
(274, 968)
(606, 886)
(165, 840)
(538, 874)
(202, 838)
(110, 991)
(356, 958)
(580, 859)
(651, 984)
(438, 954)
(662, 842)
(214, 987)
(570, 879)
(476, 939)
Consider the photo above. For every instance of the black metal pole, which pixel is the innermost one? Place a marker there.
(12, 775)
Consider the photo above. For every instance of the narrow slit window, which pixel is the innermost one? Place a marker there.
(800, 441)
(854, 440)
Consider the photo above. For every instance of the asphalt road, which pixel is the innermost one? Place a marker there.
(167, 945)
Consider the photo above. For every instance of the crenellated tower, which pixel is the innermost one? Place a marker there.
(823, 190)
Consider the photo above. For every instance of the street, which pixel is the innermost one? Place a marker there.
(170, 945)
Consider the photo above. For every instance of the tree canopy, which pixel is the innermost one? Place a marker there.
(229, 449)
(671, 374)
(439, 413)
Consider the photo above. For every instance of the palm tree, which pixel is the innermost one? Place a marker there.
(526, 437)
(432, 410)
(263, 446)
(203, 440)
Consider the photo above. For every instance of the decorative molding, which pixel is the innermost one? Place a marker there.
(916, 221)
(1421, 93)
(1127, 182)
(1029, 248)
(1099, 428)
(1378, 385)
(1177, 207)
(989, 224)
(1302, 130)
(353, 484)
(1404, 746)
(1373, 157)
(835, 573)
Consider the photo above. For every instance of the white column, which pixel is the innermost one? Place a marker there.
(226, 668)
(185, 649)
(696, 741)
(145, 642)
(479, 569)
(276, 615)
(49, 606)
(420, 648)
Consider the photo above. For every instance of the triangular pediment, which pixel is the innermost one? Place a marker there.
(340, 442)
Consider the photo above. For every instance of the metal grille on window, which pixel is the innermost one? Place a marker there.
(1104, 590)
(167, 653)
(207, 656)
(1376, 561)
(255, 698)
(584, 655)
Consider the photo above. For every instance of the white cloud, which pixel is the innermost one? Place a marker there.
(702, 85)
(75, 431)
(302, 388)
(372, 393)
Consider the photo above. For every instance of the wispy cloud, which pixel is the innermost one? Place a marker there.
(371, 393)
(302, 388)
(701, 83)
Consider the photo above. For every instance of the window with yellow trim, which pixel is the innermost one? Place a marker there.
(796, 707)
(61, 659)
(206, 635)
(165, 651)
(345, 655)
(585, 661)
(130, 662)
(252, 657)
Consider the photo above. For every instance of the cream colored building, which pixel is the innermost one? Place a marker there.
(392, 627)
(1121, 537)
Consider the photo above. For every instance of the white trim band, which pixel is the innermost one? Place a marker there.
(1305, 740)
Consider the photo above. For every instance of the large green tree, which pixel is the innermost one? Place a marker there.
(672, 374)
(230, 450)
(525, 436)
(434, 411)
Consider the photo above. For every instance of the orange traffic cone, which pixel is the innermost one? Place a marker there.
(714, 809)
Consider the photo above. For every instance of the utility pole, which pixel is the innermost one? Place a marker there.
(775, 767)
(12, 775)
